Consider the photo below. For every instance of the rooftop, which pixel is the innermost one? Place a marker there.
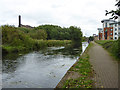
(108, 20)
(99, 29)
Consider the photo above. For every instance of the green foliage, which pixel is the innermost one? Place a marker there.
(35, 34)
(112, 46)
(17, 38)
(13, 37)
(115, 47)
(38, 34)
(84, 69)
(76, 33)
(118, 51)
(55, 32)
(115, 13)
(91, 38)
(76, 36)
(84, 38)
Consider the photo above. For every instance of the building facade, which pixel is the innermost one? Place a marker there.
(110, 30)
(100, 34)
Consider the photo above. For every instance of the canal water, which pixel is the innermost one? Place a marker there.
(41, 69)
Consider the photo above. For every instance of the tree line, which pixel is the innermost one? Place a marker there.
(55, 32)
(21, 38)
(42, 32)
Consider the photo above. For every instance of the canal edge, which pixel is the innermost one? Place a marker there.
(68, 74)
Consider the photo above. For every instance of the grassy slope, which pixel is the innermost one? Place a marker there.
(111, 46)
(84, 68)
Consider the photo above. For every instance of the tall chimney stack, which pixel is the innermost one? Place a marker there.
(19, 21)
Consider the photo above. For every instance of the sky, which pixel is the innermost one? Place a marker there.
(86, 14)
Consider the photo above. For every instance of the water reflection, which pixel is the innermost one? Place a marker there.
(67, 51)
(43, 69)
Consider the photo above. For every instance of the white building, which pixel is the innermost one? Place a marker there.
(110, 30)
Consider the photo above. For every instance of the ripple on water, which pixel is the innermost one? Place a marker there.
(43, 69)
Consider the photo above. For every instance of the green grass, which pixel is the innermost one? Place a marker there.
(112, 47)
(102, 42)
(84, 68)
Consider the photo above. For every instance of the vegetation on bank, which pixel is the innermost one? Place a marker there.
(84, 68)
(35, 45)
(112, 46)
(55, 32)
(15, 39)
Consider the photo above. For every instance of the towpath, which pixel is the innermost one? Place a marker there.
(105, 67)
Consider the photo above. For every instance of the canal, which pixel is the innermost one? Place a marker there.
(39, 69)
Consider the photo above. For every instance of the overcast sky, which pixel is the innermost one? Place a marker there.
(86, 14)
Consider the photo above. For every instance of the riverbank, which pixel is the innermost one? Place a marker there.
(80, 75)
(18, 39)
(35, 45)
(113, 47)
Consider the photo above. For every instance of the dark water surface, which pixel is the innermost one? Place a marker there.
(43, 69)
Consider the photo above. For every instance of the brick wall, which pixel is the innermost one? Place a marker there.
(109, 33)
(100, 36)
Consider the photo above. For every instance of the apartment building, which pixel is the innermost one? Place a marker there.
(100, 34)
(110, 30)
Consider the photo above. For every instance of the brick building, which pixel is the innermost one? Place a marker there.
(110, 30)
(100, 34)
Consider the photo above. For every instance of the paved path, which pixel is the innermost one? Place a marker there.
(105, 67)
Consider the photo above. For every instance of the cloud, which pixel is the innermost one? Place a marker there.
(86, 14)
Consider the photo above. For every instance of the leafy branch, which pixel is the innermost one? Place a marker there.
(114, 13)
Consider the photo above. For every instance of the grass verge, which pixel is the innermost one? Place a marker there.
(112, 47)
(84, 68)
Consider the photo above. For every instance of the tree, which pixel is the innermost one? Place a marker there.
(91, 38)
(76, 36)
(114, 13)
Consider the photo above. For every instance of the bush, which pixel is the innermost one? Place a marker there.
(38, 34)
(118, 51)
(14, 37)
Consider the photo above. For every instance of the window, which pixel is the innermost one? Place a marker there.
(106, 34)
(111, 29)
(106, 30)
(111, 34)
(115, 33)
(115, 37)
(115, 25)
(115, 29)
(111, 38)
(105, 24)
(111, 25)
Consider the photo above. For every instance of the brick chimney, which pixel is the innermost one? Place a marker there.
(19, 21)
